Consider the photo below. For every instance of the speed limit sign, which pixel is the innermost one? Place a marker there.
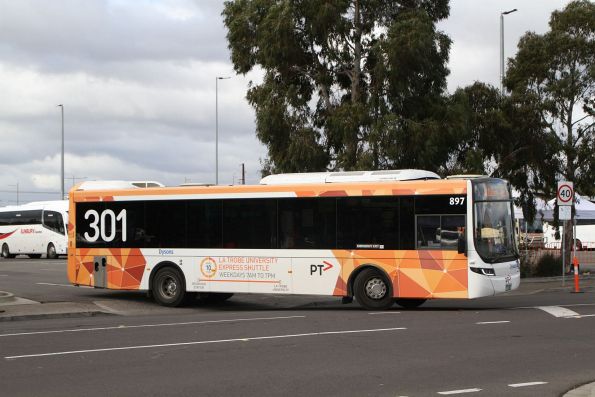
(565, 193)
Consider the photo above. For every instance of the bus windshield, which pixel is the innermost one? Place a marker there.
(493, 228)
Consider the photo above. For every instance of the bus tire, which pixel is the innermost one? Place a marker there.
(51, 251)
(169, 287)
(409, 303)
(372, 290)
(6, 252)
(34, 256)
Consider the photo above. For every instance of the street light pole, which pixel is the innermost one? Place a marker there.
(62, 157)
(217, 127)
(502, 47)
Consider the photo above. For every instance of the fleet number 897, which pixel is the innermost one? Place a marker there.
(456, 201)
(99, 225)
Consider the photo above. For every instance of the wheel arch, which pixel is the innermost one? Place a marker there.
(162, 265)
(359, 269)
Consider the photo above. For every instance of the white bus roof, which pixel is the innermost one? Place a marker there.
(348, 176)
(108, 185)
(466, 176)
(53, 205)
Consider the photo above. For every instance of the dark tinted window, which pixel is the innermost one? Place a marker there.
(308, 223)
(407, 224)
(16, 218)
(53, 221)
(367, 222)
(203, 224)
(439, 231)
(166, 224)
(250, 223)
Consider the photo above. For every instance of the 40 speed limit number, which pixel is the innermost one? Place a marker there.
(104, 225)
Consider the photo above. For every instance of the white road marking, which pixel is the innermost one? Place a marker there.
(459, 391)
(3, 275)
(569, 305)
(384, 313)
(64, 285)
(527, 384)
(493, 322)
(151, 325)
(558, 311)
(204, 342)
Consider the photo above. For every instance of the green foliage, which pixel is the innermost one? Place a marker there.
(548, 266)
(348, 84)
(552, 81)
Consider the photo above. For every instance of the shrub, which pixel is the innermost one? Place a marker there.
(548, 265)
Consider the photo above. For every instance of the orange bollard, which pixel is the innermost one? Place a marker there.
(575, 263)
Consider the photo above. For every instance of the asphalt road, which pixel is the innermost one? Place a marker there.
(537, 342)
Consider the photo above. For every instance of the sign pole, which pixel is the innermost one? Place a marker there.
(565, 201)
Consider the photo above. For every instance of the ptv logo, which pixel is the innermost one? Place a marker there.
(320, 268)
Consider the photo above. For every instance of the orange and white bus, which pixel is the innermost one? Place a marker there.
(401, 236)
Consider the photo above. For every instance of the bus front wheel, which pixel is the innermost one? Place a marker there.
(6, 252)
(372, 290)
(51, 251)
(168, 287)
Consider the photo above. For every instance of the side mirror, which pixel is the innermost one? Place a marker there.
(462, 244)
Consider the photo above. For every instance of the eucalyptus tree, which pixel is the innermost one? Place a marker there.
(348, 84)
(553, 77)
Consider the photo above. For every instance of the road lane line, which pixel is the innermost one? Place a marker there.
(527, 384)
(374, 313)
(204, 342)
(459, 391)
(558, 311)
(58, 285)
(569, 305)
(493, 322)
(3, 275)
(152, 325)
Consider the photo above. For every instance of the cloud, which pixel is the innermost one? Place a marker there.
(137, 80)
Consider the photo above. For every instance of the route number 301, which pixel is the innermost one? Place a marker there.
(456, 201)
(104, 225)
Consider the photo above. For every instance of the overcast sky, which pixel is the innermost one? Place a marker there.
(137, 80)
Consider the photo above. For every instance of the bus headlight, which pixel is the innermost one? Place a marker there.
(483, 271)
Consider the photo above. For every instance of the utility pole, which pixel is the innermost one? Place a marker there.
(217, 127)
(243, 174)
(61, 106)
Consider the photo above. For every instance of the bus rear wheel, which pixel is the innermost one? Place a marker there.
(408, 303)
(168, 287)
(6, 252)
(51, 251)
(372, 290)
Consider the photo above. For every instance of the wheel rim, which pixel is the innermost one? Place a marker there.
(52, 250)
(169, 287)
(376, 288)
